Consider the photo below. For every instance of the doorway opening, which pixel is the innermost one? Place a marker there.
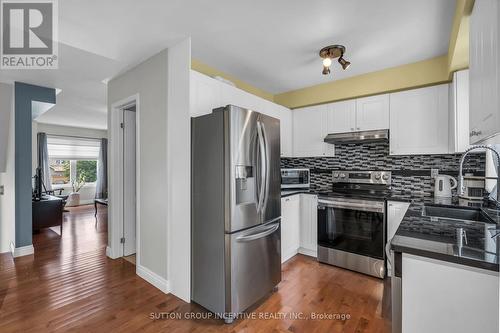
(124, 183)
(128, 160)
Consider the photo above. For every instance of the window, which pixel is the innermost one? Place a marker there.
(66, 171)
(72, 159)
(87, 170)
(60, 172)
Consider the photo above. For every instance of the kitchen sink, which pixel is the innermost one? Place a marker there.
(464, 214)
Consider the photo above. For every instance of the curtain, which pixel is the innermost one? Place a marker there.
(43, 160)
(73, 148)
(101, 190)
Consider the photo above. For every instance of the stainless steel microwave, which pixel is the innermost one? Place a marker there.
(295, 178)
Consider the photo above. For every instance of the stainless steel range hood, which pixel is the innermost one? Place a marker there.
(358, 137)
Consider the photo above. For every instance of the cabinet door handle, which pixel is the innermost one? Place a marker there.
(359, 128)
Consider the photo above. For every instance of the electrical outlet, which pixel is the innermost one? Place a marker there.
(2, 189)
(434, 172)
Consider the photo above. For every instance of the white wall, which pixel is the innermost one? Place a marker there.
(7, 201)
(164, 157)
(6, 92)
(87, 193)
(179, 170)
(149, 81)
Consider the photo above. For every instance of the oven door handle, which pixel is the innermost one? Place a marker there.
(373, 207)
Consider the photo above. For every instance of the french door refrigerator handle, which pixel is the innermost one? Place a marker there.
(268, 166)
(262, 153)
(262, 234)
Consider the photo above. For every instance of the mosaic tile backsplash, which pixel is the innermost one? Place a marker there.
(411, 175)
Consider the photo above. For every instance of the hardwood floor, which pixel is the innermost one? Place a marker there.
(70, 285)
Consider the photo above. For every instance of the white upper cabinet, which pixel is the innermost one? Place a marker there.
(235, 96)
(459, 112)
(208, 93)
(309, 130)
(285, 116)
(205, 94)
(341, 116)
(484, 66)
(286, 131)
(372, 113)
(419, 121)
(361, 114)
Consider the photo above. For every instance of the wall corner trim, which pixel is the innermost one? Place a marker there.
(21, 251)
(110, 254)
(153, 278)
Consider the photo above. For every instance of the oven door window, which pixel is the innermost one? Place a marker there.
(351, 230)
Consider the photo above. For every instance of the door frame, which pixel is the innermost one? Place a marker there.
(115, 171)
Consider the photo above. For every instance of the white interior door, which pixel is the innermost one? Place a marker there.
(129, 186)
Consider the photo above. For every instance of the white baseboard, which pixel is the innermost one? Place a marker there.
(308, 252)
(289, 255)
(21, 251)
(153, 278)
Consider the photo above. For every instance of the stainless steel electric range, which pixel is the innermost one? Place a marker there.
(352, 222)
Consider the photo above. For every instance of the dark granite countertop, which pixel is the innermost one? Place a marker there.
(436, 237)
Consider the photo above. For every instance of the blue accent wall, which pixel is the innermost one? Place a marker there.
(24, 95)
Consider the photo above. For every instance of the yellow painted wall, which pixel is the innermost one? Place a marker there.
(210, 71)
(458, 51)
(419, 74)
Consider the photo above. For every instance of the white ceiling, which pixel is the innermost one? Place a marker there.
(270, 44)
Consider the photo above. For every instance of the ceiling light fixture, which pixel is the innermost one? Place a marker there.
(331, 52)
(344, 63)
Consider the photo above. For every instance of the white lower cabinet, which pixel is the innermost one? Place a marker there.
(308, 225)
(298, 225)
(290, 226)
(395, 212)
(443, 297)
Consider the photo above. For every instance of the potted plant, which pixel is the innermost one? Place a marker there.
(74, 197)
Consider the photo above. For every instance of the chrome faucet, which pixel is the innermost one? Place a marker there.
(461, 190)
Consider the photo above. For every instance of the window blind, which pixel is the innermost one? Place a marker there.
(72, 148)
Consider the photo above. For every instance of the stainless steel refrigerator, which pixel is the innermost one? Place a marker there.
(236, 209)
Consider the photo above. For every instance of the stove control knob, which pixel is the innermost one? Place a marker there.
(336, 175)
(385, 176)
(377, 176)
(342, 175)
